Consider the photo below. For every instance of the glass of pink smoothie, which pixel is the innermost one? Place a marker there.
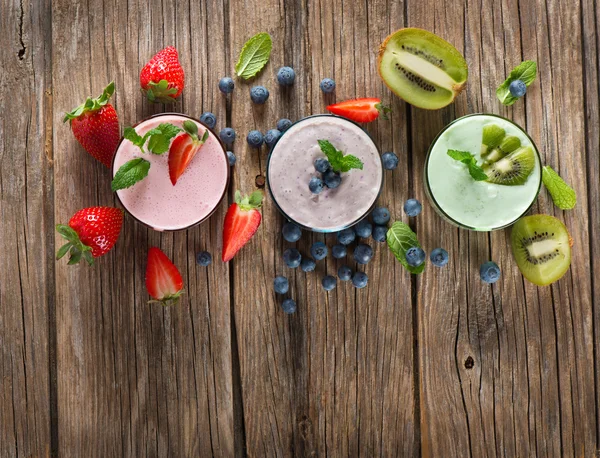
(154, 201)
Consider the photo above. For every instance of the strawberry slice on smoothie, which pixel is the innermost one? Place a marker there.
(184, 148)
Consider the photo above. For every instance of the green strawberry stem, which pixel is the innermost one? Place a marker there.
(191, 128)
(167, 301)
(74, 246)
(92, 104)
(383, 110)
(250, 202)
(160, 92)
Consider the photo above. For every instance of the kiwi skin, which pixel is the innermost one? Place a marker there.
(457, 88)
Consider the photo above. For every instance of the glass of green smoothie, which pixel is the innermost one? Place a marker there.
(504, 152)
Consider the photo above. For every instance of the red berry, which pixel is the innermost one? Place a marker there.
(163, 280)
(162, 78)
(360, 110)
(241, 223)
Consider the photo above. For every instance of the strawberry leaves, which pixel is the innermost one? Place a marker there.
(74, 246)
(92, 104)
(161, 92)
(339, 162)
(253, 201)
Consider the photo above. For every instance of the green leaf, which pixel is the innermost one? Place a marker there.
(75, 256)
(350, 162)
(562, 194)
(400, 238)
(92, 104)
(63, 250)
(255, 199)
(158, 144)
(339, 162)
(190, 127)
(130, 134)
(67, 232)
(204, 136)
(130, 173)
(469, 160)
(383, 110)
(526, 72)
(254, 56)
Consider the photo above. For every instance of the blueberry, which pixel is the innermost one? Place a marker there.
(209, 119)
(315, 185)
(203, 258)
(255, 138)
(332, 179)
(272, 136)
(308, 264)
(259, 94)
(283, 124)
(390, 160)
(412, 207)
(227, 135)
(327, 85)
(231, 158)
(362, 253)
(329, 282)
(344, 273)
(318, 250)
(281, 285)
(338, 251)
(288, 306)
(380, 233)
(363, 229)
(286, 76)
(517, 88)
(291, 232)
(415, 256)
(360, 279)
(322, 165)
(489, 272)
(226, 85)
(346, 236)
(381, 216)
(439, 257)
(292, 257)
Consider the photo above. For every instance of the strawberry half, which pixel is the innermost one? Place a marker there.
(162, 78)
(184, 148)
(96, 126)
(91, 233)
(360, 110)
(163, 280)
(241, 223)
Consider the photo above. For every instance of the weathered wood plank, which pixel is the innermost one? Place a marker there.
(136, 379)
(26, 186)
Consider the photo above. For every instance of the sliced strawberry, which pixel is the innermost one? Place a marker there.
(241, 223)
(163, 280)
(183, 149)
(360, 110)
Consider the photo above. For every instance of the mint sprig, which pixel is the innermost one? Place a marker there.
(158, 138)
(130, 173)
(562, 194)
(526, 72)
(339, 162)
(254, 56)
(400, 238)
(469, 160)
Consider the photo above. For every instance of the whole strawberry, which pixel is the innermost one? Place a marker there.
(96, 126)
(162, 78)
(91, 232)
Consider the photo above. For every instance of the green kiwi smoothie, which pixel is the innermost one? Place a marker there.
(507, 156)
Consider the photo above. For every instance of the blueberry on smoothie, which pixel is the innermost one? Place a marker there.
(360, 280)
(227, 135)
(415, 256)
(363, 253)
(288, 306)
(338, 251)
(380, 233)
(271, 137)
(412, 207)
(291, 232)
(255, 138)
(259, 94)
(286, 76)
(226, 85)
(332, 179)
(329, 282)
(517, 88)
(203, 258)
(439, 257)
(209, 119)
(308, 264)
(363, 229)
(381, 216)
(283, 124)
(346, 236)
(231, 158)
(322, 165)
(390, 160)
(315, 185)
(318, 250)
(327, 85)
(281, 284)
(489, 272)
(292, 258)
(344, 273)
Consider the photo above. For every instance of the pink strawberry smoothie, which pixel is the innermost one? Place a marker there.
(155, 201)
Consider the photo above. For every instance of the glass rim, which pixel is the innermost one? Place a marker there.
(336, 229)
(437, 206)
(228, 168)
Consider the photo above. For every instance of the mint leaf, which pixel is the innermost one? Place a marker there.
(130, 173)
(469, 160)
(526, 72)
(169, 130)
(159, 144)
(254, 56)
(562, 194)
(350, 162)
(159, 137)
(130, 134)
(339, 162)
(400, 238)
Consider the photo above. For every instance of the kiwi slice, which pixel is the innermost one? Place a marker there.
(422, 68)
(492, 137)
(513, 169)
(507, 145)
(541, 245)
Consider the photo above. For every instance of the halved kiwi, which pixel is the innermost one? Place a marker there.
(513, 169)
(541, 245)
(422, 68)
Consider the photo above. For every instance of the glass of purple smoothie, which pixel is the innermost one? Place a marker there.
(291, 166)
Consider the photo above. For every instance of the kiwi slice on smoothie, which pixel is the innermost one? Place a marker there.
(422, 68)
(507, 145)
(512, 169)
(541, 245)
(492, 137)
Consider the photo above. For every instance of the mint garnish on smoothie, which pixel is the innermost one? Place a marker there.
(337, 160)
(469, 160)
(158, 138)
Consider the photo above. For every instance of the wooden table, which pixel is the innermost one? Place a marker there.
(435, 365)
